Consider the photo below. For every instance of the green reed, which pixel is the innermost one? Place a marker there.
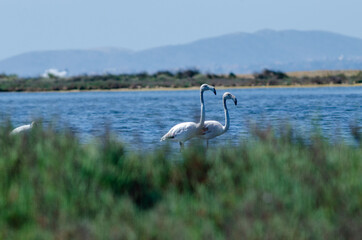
(52, 186)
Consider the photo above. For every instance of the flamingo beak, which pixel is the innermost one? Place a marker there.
(214, 90)
(235, 101)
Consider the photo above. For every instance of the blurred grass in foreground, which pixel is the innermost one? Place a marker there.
(54, 187)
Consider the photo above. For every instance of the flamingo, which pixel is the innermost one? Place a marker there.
(213, 129)
(22, 129)
(186, 130)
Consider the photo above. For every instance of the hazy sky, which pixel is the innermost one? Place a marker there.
(29, 25)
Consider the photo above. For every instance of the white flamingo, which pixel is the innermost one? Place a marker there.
(186, 130)
(213, 129)
(22, 129)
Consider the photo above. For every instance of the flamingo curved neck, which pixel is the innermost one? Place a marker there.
(202, 116)
(227, 119)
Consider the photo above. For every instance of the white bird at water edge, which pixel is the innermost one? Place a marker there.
(187, 130)
(213, 129)
(21, 129)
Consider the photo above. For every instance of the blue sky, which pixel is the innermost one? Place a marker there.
(31, 25)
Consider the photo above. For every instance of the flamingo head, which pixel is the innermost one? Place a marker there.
(228, 95)
(205, 87)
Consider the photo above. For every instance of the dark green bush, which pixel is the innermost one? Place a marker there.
(270, 74)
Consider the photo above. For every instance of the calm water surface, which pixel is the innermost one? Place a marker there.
(141, 118)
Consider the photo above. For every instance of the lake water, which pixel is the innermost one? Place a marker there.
(141, 118)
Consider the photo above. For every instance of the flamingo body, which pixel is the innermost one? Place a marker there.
(181, 132)
(22, 129)
(211, 129)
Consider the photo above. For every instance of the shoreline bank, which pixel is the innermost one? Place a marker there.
(189, 88)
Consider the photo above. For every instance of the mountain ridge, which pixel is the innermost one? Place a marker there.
(287, 50)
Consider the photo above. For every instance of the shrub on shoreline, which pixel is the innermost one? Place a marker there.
(183, 78)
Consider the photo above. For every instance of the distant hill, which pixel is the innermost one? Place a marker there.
(240, 53)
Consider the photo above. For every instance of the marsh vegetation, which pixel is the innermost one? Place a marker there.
(167, 79)
(274, 185)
